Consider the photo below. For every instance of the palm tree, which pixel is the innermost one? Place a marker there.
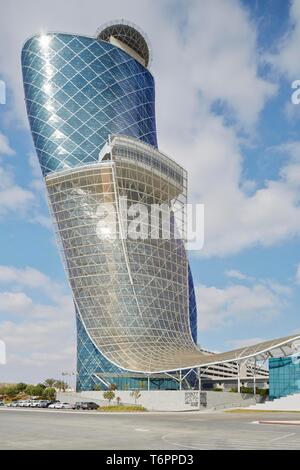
(136, 395)
(50, 382)
(61, 385)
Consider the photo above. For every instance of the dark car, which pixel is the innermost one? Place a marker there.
(44, 403)
(85, 405)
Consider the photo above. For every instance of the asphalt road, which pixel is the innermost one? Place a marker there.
(51, 429)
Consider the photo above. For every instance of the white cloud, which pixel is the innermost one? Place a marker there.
(286, 59)
(39, 334)
(232, 273)
(28, 277)
(31, 278)
(236, 304)
(5, 148)
(223, 61)
(235, 220)
(12, 196)
(14, 302)
(43, 220)
(244, 343)
(34, 165)
(23, 201)
(235, 217)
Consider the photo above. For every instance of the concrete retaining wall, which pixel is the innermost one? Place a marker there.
(170, 400)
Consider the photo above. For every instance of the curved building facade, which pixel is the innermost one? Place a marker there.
(79, 91)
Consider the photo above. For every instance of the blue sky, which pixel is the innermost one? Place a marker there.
(223, 74)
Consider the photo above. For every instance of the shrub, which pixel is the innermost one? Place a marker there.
(49, 393)
(109, 395)
(122, 408)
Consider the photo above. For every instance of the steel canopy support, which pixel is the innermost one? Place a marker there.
(254, 377)
(239, 377)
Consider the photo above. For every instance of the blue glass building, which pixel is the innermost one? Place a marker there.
(284, 376)
(80, 91)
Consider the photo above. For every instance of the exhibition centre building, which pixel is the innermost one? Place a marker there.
(91, 107)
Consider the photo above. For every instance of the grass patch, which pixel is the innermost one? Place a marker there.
(121, 408)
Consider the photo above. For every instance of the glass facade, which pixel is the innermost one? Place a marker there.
(284, 376)
(135, 303)
(90, 360)
(132, 294)
(79, 90)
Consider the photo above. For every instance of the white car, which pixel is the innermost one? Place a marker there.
(66, 406)
(35, 403)
(23, 403)
(54, 405)
(27, 403)
(61, 406)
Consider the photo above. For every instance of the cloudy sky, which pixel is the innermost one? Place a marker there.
(224, 71)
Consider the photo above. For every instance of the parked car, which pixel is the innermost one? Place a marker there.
(85, 405)
(53, 402)
(1, 403)
(13, 404)
(60, 406)
(66, 406)
(54, 405)
(22, 403)
(34, 403)
(44, 404)
(27, 403)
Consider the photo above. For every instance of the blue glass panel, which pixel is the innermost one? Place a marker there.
(77, 67)
(284, 376)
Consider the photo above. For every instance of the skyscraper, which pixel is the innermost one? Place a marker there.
(80, 92)
(91, 107)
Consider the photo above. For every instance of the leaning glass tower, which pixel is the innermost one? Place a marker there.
(91, 108)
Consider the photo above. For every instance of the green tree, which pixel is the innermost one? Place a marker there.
(61, 385)
(112, 387)
(50, 382)
(10, 391)
(39, 389)
(136, 395)
(21, 387)
(30, 390)
(109, 395)
(49, 393)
